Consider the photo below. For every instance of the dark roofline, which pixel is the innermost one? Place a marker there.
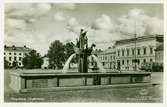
(160, 48)
(17, 48)
(124, 41)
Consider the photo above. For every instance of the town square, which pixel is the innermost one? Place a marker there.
(83, 52)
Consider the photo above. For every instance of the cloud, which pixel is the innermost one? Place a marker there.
(74, 26)
(105, 31)
(103, 23)
(24, 11)
(19, 15)
(59, 16)
(15, 23)
(137, 21)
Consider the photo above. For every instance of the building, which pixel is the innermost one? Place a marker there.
(14, 55)
(159, 54)
(131, 53)
(45, 64)
(107, 58)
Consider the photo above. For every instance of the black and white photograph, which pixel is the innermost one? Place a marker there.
(83, 52)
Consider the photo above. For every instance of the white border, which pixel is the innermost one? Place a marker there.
(87, 1)
(164, 104)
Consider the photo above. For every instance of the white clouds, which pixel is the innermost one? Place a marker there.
(74, 26)
(59, 16)
(49, 20)
(15, 23)
(137, 21)
(103, 23)
(154, 26)
(24, 11)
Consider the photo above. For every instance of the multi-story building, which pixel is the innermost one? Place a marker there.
(14, 55)
(107, 58)
(159, 54)
(131, 53)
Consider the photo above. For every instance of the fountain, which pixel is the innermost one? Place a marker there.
(83, 52)
(35, 81)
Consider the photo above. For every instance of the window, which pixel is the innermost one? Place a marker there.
(118, 53)
(122, 62)
(138, 51)
(4, 53)
(111, 57)
(10, 53)
(19, 53)
(122, 52)
(19, 63)
(14, 58)
(14, 53)
(144, 60)
(20, 58)
(138, 61)
(144, 51)
(151, 50)
(151, 60)
(103, 63)
(127, 62)
(4, 58)
(127, 52)
(10, 58)
(133, 51)
(105, 57)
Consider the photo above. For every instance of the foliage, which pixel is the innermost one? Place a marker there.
(6, 64)
(32, 60)
(56, 54)
(69, 49)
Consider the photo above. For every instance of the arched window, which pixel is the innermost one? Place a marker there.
(138, 51)
(133, 51)
(122, 62)
(151, 59)
(122, 52)
(151, 50)
(144, 50)
(127, 52)
(118, 52)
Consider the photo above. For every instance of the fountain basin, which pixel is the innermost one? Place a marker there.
(26, 81)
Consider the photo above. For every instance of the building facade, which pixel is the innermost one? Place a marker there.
(159, 54)
(132, 53)
(45, 64)
(107, 58)
(14, 55)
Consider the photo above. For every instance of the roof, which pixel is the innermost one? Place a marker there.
(108, 51)
(141, 38)
(160, 48)
(96, 52)
(15, 48)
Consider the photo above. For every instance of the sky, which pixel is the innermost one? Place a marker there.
(36, 25)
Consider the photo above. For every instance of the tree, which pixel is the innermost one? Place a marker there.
(69, 49)
(32, 60)
(6, 64)
(56, 54)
